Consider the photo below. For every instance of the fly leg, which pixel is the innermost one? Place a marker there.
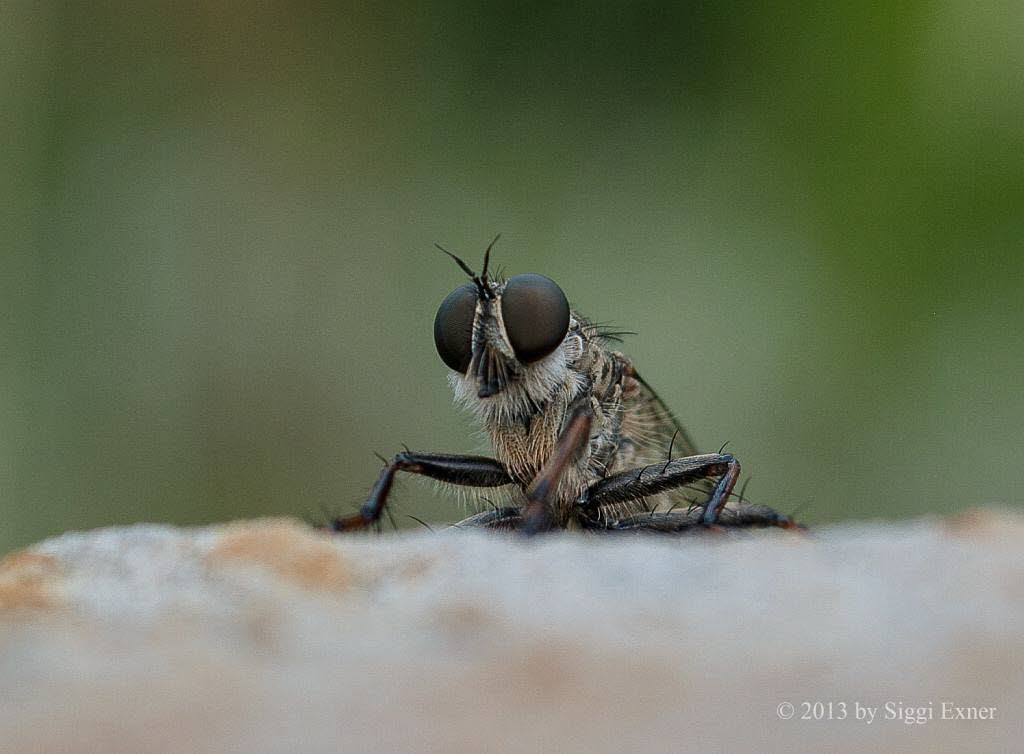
(469, 471)
(739, 515)
(575, 434)
(506, 518)
(661, 477)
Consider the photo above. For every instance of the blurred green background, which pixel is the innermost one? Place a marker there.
(219, 285)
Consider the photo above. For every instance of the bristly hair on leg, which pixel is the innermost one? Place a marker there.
(670, 444)
(743, 489)
(421, 522)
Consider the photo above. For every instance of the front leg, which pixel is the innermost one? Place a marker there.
(469, 471)
(576, 434)
(661, 477)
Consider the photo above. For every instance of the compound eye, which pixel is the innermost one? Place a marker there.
(536, 316)
(453, 327)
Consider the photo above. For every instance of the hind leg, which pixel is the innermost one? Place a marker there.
(662, 477)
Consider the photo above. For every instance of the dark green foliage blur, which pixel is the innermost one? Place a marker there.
(218, 280)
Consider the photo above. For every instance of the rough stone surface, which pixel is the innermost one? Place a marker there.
(266, 636)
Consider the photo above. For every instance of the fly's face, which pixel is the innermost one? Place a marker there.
(508, 343)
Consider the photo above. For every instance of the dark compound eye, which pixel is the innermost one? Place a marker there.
(536, 316)
(453, 327)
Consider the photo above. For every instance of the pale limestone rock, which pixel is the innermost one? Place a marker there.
(266, 636)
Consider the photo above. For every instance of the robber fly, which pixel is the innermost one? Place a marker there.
(581, 440)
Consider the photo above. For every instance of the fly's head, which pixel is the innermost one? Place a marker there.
(511, 344)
